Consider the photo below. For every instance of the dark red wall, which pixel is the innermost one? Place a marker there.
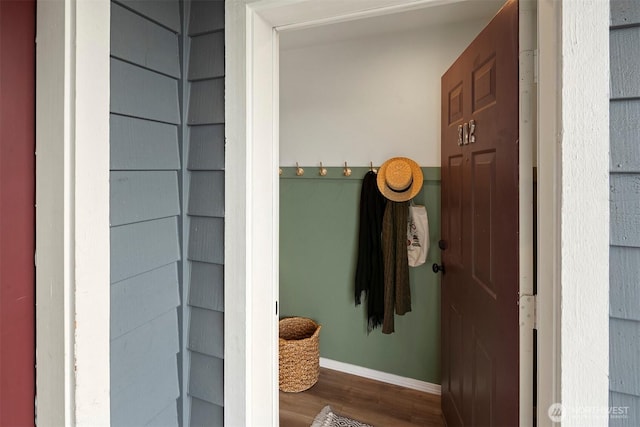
(17, 227)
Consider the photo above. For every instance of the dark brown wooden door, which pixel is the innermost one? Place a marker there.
(17, 189)
(480, 229)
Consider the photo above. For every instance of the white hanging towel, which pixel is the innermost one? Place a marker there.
(417, 235)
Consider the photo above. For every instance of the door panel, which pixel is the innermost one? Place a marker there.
(455, 363)
(480, 228)
(482, 196)
(484, 84)
(454, 202)
(483, 386)
(455, 104)
(17, 181)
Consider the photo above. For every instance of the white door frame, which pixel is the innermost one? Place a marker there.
(72, 213)
(572, 149)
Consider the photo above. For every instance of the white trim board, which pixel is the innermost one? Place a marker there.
(548, 302)
(527, 23)
(72, 213)
(584, 195)
(384, 377)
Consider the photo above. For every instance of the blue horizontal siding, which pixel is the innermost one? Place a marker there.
(624, 277)
(163, 12)
(206, 102)
(206, 16)
(625, 209)
(624, 253)
(206, 240)
(131, 353)
(137, 40)
(207, 286)
(207, 194)
(139, 299)
(137, 405)
(627, 410)
(167, 417)
(143, 195)
(142, 247)
(624, 12)
(624, 341)
(145, 210)
(138, 144)
(206, 149)
(207, 56)
(625, 150)
(207, 332)
(205, 212)
(205, 413)
(204, 382)
(141, 93)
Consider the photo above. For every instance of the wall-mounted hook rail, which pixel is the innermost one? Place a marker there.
(347, 170)
(332, 171)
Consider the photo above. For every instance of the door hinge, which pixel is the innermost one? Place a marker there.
(276, 308)
(527, 305)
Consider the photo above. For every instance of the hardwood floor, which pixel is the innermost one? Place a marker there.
(368, 401)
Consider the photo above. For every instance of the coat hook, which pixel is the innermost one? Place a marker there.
(374, 170)
(347, 170)
(323, 170)
(299, 170)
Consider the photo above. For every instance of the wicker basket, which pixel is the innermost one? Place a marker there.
(299, 354)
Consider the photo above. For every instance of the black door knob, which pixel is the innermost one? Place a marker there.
(437, 268)
(442, 244)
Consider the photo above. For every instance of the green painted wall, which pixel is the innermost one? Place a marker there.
(318, 246)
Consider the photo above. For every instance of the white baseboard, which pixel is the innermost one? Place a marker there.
(380, 376)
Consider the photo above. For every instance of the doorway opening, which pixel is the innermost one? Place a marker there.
(361, 92)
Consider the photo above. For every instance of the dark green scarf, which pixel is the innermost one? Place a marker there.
(397, 294)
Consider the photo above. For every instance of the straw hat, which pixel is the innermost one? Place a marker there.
(400, 179)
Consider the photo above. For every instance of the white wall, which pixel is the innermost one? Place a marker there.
(367, 99)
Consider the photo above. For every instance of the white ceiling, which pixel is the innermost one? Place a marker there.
(456, 13)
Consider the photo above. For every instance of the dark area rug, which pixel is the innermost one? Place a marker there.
(328, 418)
